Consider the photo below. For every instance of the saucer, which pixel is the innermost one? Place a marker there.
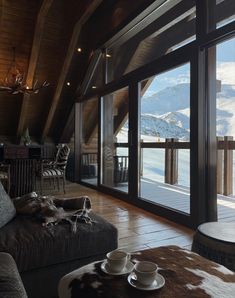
(127, 269)
(158, 283)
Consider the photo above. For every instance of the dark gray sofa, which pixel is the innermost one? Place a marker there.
(43, 255)
(11, 285)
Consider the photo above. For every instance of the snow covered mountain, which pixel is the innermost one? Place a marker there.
(226, 111)
(167, 113)
(164, 128)
(169, 99)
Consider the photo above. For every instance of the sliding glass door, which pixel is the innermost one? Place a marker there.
(165, 139)
(89, 143)
(115, 140)
(225, 128)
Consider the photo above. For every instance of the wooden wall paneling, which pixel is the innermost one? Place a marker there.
(92, 146)
(122, 97)
(90, 121)
(68, 130)
(1, 12)
(14, 27)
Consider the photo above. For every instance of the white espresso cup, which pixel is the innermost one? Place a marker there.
(145, 272)
(117, 260)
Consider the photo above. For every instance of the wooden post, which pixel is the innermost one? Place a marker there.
(174, 162)
(171, 162)
(167, 162)
(228, 167)
(141, 158)
(219, 175)
(77, 141)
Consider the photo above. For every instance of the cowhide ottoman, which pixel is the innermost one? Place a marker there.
(186, 274)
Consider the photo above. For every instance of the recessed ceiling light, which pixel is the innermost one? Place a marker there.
(108, 55)
(79, 50)
(93, 87)
(68, 84)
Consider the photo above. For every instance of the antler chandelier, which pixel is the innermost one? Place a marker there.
(14, 82)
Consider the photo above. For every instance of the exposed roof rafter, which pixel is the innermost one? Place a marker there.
(1, 10)
(69, 127)
(41, 18)
(71, 49)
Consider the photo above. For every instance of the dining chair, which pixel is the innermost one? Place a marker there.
(55, 170)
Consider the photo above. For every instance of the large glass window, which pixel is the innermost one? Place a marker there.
(95, 74)
(89, 145)
(165, 139)
(221, 13)
(114, 140)
(225, 129)
(169, 27)
(165, 110)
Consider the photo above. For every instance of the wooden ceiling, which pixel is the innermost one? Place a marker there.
(46, 34)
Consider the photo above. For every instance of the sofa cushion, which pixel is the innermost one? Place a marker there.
(10, 282)
(7, 209)
(34, 246)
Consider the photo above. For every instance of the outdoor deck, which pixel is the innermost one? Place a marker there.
(178, 197)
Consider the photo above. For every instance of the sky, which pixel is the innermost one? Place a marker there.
(225, 57)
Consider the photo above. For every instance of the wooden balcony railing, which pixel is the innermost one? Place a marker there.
(225, 147)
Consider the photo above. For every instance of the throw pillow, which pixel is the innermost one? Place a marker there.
(7, 209)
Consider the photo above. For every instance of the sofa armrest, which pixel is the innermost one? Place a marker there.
(10, 282)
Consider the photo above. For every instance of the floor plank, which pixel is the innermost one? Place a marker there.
(137, 229)
(178, 197)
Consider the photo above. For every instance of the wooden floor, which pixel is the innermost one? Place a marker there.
(137, 228)
(177, 197)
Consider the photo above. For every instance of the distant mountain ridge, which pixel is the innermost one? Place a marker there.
(154, 126)
(169, 99)
(156, 120)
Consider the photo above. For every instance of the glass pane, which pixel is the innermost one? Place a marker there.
(225, 129)
(115, 152)
(89, 145)
(221, 13)
(172, 27)
(165, 139)
(95, 72)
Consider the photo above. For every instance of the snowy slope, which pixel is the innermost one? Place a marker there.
(169, 99)
(226, 111)
(169, 118)
(164, 128)
(167, 112)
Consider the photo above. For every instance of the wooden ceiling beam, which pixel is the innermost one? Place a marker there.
(41, 18)
(1, 12)
(71, 49)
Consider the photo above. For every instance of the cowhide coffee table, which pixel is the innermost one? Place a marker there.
(186, 274)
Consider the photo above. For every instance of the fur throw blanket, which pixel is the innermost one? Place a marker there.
(51, 211)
